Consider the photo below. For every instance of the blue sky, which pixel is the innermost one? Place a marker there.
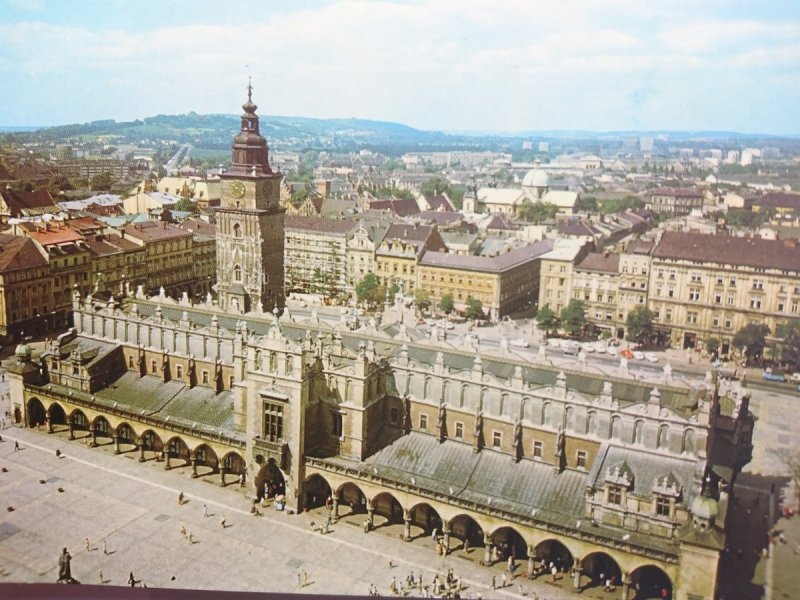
(500, 65)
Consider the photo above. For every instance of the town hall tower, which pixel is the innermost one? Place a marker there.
(250, 224)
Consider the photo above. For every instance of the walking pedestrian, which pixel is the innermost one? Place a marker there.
(222, 521)
(305, 578)
(105, 548)
(183, 530)
(205, 510)
(191, 538)
(88, 547)
(494, 583)
(100, 579)
(16, 446)
(131, 579)
(504, 579)
(180, 498)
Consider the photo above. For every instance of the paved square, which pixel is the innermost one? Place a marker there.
(133, 508)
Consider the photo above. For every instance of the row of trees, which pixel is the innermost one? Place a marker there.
(371, 291)
(571, 319)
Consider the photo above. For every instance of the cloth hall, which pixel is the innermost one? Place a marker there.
(505, 456)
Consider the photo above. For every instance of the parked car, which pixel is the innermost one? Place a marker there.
(588, 348)
(571, 348)
(600, 348)
(638, 355)
(795, 377)
(650, 357)
(519, 343)
(767, 376)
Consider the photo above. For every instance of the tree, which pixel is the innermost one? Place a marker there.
(101, 182)
(629, 202)
(712, 345)
(365, 289)
(536, 212)
(573, 317)
(446, 304)
(546, 318)
(587, 204)
(474, 308)
(789, 334)
(422, 299)
(186, 205)
(639, 324)
(435, 185)
(751, 339)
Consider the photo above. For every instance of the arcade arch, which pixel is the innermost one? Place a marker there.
(599, 567)
(648, 581)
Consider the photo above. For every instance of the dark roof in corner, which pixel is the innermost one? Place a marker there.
(677, 193)
(19, 253)
(400, 207)
(640, 247)
(607, 262)
(19, 201)
(319, 224)
(576, 227)
(779, 200)
(729, 250)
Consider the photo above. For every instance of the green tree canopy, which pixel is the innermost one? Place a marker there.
(639, 324)
(474, 308)
(422, 298)
(536, 212)
(546, 318)
(789, 334)
(587, 204)
(367, 287)
(751, 338)
(101, 182)
(629, 202)
(446, 304)
(186, 205)
(435, 185)
(573, 317)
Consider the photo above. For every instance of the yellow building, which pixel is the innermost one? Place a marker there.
(399, 253)
(504, 283)
(555, 273)
(168, 254)
(709, 286)
(26, 288)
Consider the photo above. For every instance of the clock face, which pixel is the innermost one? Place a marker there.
(237, 189)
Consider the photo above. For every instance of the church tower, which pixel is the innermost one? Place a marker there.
(250, 224)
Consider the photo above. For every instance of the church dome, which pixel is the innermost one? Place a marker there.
(536, 178)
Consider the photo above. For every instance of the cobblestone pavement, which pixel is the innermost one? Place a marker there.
(130, 509)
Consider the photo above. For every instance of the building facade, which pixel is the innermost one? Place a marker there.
(674, 201)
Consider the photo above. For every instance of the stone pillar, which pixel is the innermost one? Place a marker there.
(531, 561)
(370, 514)
(71, 429)
(194, 468)
(446, 541)
(94, 438)
(626, 583)
(487, 549)
(335, 512)
(166, 460)
(116, 443)
(141, 450)
(406, 525)
(576, 577)
(49, 425)
(222, 476)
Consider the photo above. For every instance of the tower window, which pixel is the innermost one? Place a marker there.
(237, 229)
(237, 273)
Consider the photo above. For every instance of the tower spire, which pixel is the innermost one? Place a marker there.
(249, 89)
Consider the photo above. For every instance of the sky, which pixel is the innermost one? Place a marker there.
(461, 65)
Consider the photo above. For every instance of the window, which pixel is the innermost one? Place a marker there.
(459, 433)
(696, 277)
(614, 495)
(728, 324)
(205, 378)
(497, 439)
(719, 279)
(393, 415)
(179, 371)
(130, 362)
(337, 429)
(691, 317)
(717, 298)
(537, 449)
(694, 295)
(153, 366)
(755, 303)
(237, 230)
(663, 506)
(671, 291)
(273, 421)
(580, 459)
(237, 273)
(423, 421)
(663, 436)
(758, 284)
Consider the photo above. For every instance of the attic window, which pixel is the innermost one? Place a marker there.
(614, 495)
